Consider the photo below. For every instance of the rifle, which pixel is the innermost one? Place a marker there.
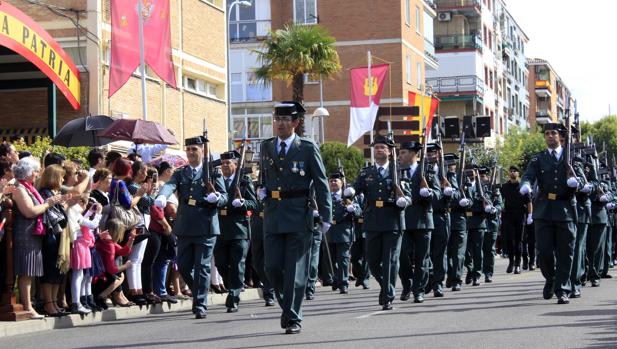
(398, 192)
(461, 165)
(568, 143)
(207, 163)
(480, 188)
(442, 167)
(341, 169)
(421, 168)
(239, 169)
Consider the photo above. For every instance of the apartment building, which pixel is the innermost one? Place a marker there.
(399, 33)
(199, 57)
(549, 95)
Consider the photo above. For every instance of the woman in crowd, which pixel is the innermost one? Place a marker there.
(28, 228)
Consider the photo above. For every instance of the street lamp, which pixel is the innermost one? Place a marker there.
(242, 3)
(321, 113)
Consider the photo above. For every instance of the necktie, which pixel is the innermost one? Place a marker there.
(381, 172)
(194, 173)
(555, 155)
(282, 152)
(227, 182)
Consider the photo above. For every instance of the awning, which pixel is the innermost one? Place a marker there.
(28, 134)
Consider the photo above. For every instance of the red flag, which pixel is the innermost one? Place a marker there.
(157, 39)
(430, 108)
(124, 45)
(362, 110)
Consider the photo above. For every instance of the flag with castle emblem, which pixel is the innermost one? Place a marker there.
(428, 107)
(125, 44)
(363, 110)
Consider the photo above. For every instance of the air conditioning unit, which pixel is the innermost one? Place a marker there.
(444, 16)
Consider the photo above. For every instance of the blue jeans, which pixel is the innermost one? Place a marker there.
(159, 271)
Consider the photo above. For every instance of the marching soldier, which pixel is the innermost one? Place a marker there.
(596, 236)
(492, 224)
(418, 222)
(554, 212)
(514, 218)
(315, 260)
(359, 264)
(257, 252)
(290, 165)
(197, 225)
(608, 251)
(476, 227)
(341, 234)
(583, 209)
(383, 221)
(234, 219)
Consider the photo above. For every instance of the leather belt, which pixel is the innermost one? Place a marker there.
(555, 197)
(381, 203)
(474, 214)
(193, 202)
(289, 194)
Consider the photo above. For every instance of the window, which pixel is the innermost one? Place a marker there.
(419, 69)
(308, 80)
(408, 68)
(407, 13)
(305, 11)
(418, 20)
(199, 86)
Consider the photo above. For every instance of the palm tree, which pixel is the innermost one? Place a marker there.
(290, 53)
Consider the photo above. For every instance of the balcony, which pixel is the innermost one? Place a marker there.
(248, 30)
(457, 85)
(429, 55)
(543, 88)
(544, 116)
(458, 42)
(465, 7)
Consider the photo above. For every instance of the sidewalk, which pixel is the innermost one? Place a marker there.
(113, 313)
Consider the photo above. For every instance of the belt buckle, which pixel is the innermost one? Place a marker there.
(275, 194)
(379, 203)
(192, 202)
(360, 220)
(469, 214)
(223, 212)
(261, 214)
(333, 222)
(552, 196)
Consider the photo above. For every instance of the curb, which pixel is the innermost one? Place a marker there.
(112, 314)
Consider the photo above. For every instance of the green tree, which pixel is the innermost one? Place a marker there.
(293, 51)
(352, 159)
(604, 132)
(43, 145)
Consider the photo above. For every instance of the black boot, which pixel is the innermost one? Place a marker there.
(510, 267)
(84, 301)
(525, 262)
(92, 304)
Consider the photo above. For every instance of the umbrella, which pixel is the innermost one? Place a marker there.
(83, 132)
(138, 131)
(174, 160)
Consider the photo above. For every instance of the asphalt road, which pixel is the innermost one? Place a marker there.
(509, 313)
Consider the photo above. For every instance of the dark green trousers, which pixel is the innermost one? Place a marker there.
(383, 250)
(257, 253)
(359, 263)
(457, 246)
(194, 263)
(473, 253)
(416, 243)
(596, 246)
(313, 261)
(340, 263)
(555, 242)
(230, 258)
(488, 252)
(608, 251)
(578, 261)
(439, 247)
(287, 263)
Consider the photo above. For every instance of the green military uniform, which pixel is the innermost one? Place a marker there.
(257, 252)
(359, 264)
(232, 245)
(555, 216)
(197, 225)
(315, 261)
(419, 226)
(596, 236)
(457, 245)
(476, 227)
(289, 168)
(583, 209)
(492, 230)
(608, 251)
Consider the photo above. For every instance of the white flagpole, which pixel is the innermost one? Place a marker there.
(370, 100)
(142, 60)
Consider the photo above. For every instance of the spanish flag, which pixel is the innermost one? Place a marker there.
(430, 105)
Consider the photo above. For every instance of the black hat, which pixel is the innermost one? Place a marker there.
(483, 170)
(513, 167)
(53, 159)
(199, 140)
(383, 140)
(432, 147)
(554, 126)
(450, 159)
(337, 175)
(289, 108)
(411, 145)
(230, 155)
(24, 154)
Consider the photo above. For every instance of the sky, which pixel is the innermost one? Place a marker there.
(579, 39)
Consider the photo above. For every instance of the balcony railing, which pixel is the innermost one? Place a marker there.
(446, 4)
(249, 30)
(543, 84)
(457, 84)
(457, 42)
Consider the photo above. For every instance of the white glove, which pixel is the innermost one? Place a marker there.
(572, 182)
(160, 201)
(315, 213)
(325, 227)
(604, 198)
(587, 188)
(261, 193)
(447, 191)
(610, 206)
(529, 219)
(349, 192)
(490, 209)
(425, 192)
(525, 189)
(350, 208)
(401, 202)
(237, 203)
(213, 197)
(464, 202)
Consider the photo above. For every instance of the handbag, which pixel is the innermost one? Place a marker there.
(130, 218)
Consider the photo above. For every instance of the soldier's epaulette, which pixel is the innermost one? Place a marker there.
(363, 170)
(181, 168)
